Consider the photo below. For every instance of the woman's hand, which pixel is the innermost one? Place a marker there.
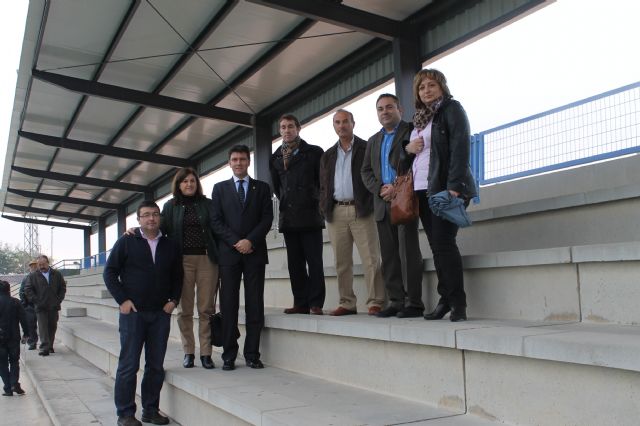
(415, 146)
(130, 231)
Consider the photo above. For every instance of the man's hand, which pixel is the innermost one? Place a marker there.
(244, 246)
(454, 193)
(169, 306)
(127, 306)
(386, 192)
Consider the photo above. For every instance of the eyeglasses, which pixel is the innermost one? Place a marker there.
(148, 215)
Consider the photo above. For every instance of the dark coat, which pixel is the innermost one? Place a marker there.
(449, 157)
(362, 197)
(233, 221)
(12, 315)
(172, 223)
(371, 165)
(298, 188)
(131, 274)
(46, 296)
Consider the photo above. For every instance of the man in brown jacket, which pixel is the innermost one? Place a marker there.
(46, 288)
(347, 206)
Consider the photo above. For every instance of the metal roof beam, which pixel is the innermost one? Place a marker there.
(138, 97)
(111, 151)
(341, 15)
(47, 222)
(80, 179)
(63, 199)
(48, 212)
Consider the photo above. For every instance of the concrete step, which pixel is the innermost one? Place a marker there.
(73, 391)
(24, 409)
(97, 290)
(261, 397)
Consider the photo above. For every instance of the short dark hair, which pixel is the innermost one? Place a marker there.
(289, 116)
(240, 149)
(43, 256)
(146, 203)
(5, 287)
(181, 175)
(389, 95)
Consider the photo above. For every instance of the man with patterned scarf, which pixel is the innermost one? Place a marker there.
(295, 174)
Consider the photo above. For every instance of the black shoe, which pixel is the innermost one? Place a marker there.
(410, 313)
(389, 312)
(43, 353)
(229, 365)
(155, 418)
(256, 363)
(458, 314)
(438, 313)
(32, 347)
(17, 389)
(128, 421)
(51, 351)
(188, 360)
(207, 362)
(7, 393)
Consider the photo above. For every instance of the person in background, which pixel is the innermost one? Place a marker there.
(30, 309)
(439, 150)
(399, 244)
(243, 214)
(12, 315)
(46, 289)
(295, 175)
(347, 206)
(144, 275)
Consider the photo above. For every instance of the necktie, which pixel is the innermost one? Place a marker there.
(241, 191)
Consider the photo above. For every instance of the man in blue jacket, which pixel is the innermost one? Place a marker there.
(144, 275)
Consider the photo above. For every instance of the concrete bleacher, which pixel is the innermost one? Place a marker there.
(552, 275)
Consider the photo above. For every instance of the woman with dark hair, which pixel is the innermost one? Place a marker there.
(187, 220)
(439, 148)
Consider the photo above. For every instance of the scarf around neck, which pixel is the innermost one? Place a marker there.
(422, 116)
(288, 149)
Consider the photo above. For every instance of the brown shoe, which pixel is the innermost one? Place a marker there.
(296, 310)
(340, 311)
(373, 310)
(316, 311)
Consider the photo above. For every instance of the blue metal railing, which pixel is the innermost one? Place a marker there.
(593, 129)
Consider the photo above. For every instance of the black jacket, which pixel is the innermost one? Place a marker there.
(172, 223)
(234, 221)
(46, 296)
(298, 188)
(449, 158)
(362, 197)
(131, 274)
(11, 316)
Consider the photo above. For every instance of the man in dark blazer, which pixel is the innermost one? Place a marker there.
(46, 288)
(347, 206)
(399, 244)
(242, 217)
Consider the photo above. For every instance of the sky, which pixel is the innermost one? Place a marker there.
(567, 51)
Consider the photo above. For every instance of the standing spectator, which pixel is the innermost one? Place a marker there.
(11, 316)
(46, 289)
(30, 310)
(440, 144)
(295, 174)
(399, 244)
(144, 276)
(347, 206)
(243, 214)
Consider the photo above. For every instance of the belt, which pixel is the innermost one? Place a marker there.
(345, 203)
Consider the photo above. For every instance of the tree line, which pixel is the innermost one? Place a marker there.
(13, 260)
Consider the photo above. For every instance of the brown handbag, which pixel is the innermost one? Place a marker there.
(404, 202)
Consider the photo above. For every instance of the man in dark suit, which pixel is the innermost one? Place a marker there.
(46, 288)
(30, 310)
(242, 217)
(11, 316)
(399, 244)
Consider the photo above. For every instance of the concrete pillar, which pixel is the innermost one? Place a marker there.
(406, 63)
(262, 146)
(102, 240)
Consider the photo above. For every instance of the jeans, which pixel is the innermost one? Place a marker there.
(10, 364)
(137, 329)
